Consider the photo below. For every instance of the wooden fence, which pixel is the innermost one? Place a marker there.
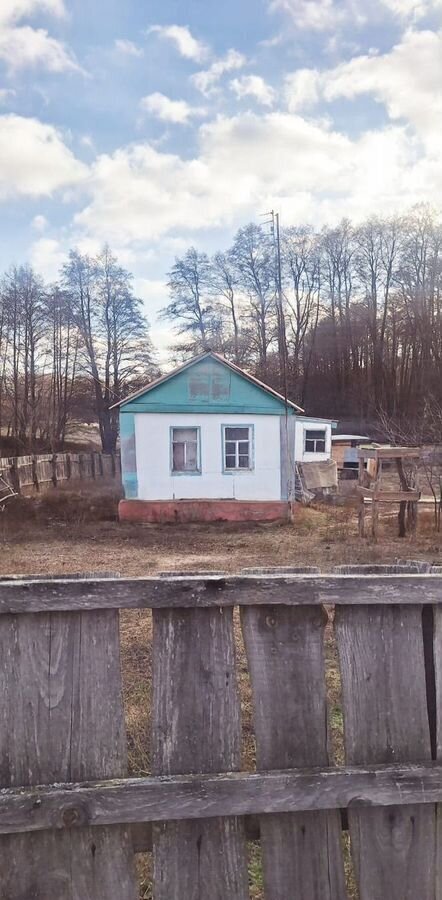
(68, 813)
(26, 474)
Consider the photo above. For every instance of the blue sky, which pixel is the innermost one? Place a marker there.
(156, 125)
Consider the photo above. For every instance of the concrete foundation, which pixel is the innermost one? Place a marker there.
(182, 511)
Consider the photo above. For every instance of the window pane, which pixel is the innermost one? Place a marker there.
(320, 446)
(309, 446)
(312, 435)
(236, 434)
(244, 462)
(230, 462)
(230, 447)
(185, 434)
(243, 447)
(191, 464)
(178, 457)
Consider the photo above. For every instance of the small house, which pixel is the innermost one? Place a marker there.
(208, 441)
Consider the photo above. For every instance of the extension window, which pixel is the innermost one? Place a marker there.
(314, 441)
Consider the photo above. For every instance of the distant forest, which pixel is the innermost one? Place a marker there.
(355, 333)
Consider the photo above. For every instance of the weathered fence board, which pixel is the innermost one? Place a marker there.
(214, 591)
(196, 728)
(134, 801)
(285, 650)
(385, 719)
(61, 719)
(25, 474)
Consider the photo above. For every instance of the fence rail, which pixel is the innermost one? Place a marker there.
(68, 814)
(28, 474)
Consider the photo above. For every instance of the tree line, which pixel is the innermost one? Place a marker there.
(69, 351)
(355, 331)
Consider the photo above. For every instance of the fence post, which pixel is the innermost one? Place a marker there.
(15, 476)
(80, 466)
(35, 480)
(100, 465)
(113, 465)
(54, 469)
(68, 466)
(92, 455)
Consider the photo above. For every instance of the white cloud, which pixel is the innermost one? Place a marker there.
(253, 86)
(186, 44)
(302, 89)
(330, 15)
(176, 111)
(34, 160)
(39, 223)
(14, 10)
(317, 15)
(22, 45)
(206, 80)
(127, 48)
(47, 257)
(248, 163)
(407, 80)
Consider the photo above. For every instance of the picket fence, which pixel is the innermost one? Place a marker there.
(26, 474)
(68, 813)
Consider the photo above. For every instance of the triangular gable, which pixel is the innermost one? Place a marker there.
(211, 384)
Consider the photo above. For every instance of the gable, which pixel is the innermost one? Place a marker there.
(207, 386)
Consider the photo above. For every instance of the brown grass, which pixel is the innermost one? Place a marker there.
(68, 531)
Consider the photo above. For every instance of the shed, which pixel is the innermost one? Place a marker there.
(345, 449)
(208, 441)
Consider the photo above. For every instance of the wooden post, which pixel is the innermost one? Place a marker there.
(81, 466)
(113, 465)
(35, 480)
(100, 465)
(14, 473)
(361, 516)
(54, 469)
(68, 466)
(92, 457)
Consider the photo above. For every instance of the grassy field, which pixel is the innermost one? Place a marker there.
(72, 531)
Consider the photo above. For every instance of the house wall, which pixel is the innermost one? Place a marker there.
(304, 424)
(154, 477)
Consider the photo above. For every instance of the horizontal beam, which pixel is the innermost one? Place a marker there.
(66, 595)
(383, 496)
(389, 453)
(159, 799)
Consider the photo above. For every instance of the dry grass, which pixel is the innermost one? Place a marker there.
(68, 531)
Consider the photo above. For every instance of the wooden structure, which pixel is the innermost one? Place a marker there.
(68, 813)
(27, 474)
(405, 462)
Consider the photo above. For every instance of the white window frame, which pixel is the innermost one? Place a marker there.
(251, 442)
(324, 439)
(180, 472)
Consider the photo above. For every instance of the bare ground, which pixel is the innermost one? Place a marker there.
(73, 531)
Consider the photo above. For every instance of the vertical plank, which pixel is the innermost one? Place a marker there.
(437, 657)
(61, 719)
(381, 652)
(302, 856)
(196, 728)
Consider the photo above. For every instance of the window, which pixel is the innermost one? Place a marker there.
(314, 441)
(237, 447)
(185, 450)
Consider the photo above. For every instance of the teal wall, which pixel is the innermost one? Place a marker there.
(128, 455)
(207, 387)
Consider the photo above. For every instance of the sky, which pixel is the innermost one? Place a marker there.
(160, 124)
